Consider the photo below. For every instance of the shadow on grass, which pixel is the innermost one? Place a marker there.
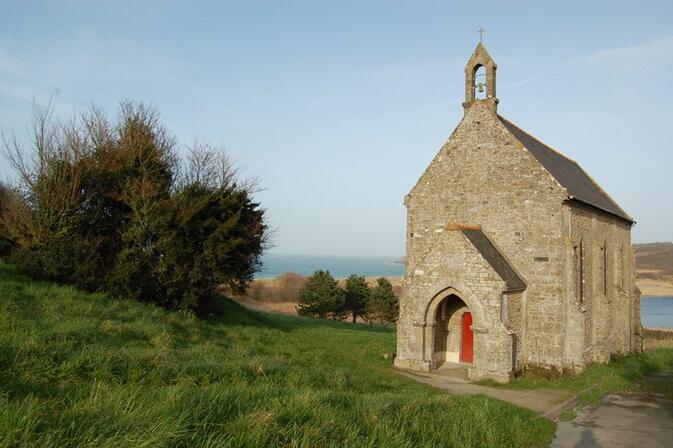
(219, 310)
(226, 311)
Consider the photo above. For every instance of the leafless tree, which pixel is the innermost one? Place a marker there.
(49, 175)
(213, 167)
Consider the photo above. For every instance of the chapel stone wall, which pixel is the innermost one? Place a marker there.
(601, 283)
(484, 176)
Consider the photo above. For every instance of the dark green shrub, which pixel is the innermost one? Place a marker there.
(110, 207)
(383, 305)
(214, 237)
(322, 297)
(357, 294)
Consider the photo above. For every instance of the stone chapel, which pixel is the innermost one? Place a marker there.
(516, 258)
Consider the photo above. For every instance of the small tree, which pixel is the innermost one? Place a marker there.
(382, 305)
(356, 294)
(321, 297)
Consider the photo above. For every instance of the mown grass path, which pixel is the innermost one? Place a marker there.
(542, 401)
(81, 370)
(621, 374)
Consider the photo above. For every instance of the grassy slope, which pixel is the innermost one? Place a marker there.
(81, 369)
(655, 256)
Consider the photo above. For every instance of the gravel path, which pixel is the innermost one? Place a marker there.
(638, 419)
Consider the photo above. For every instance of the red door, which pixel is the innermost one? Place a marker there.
(467, 339)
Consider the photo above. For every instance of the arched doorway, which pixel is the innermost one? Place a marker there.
(453, 338)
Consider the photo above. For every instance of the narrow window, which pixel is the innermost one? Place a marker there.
(602, 274)
(577, 275)
(579, 272)
(619, 268)
(605, 269)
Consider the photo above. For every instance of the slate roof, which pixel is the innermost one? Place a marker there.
(581, 187)
(497, 261)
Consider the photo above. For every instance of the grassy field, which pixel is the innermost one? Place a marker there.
(81, 370)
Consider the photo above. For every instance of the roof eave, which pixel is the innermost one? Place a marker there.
(514, 282)
(625, 217)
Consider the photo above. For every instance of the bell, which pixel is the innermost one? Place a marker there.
(480, 88)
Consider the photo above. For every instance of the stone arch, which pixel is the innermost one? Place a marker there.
(453, 338)
(445, 289)
(478, 71)
(440, 291)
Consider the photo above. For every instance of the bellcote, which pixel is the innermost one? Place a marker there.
(480, 79)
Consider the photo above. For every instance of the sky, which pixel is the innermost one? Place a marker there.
(338, 106)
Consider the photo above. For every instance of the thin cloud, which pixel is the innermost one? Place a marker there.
(16, 81)
(41, 69)
(638, 58)
(634, 58)
(9, 64)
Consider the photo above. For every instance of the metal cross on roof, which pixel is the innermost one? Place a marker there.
(481, 31)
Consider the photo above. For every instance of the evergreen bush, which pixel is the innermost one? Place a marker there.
(322, 297)
(383, 305)
(356, 294)
(109, 206)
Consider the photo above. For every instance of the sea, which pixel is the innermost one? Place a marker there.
(274, 265)
(655, 311)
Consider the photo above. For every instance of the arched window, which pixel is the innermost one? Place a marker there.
(480, 82)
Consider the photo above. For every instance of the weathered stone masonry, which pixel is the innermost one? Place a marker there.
(505, 228)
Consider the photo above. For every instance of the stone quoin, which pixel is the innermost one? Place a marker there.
(516, 258)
